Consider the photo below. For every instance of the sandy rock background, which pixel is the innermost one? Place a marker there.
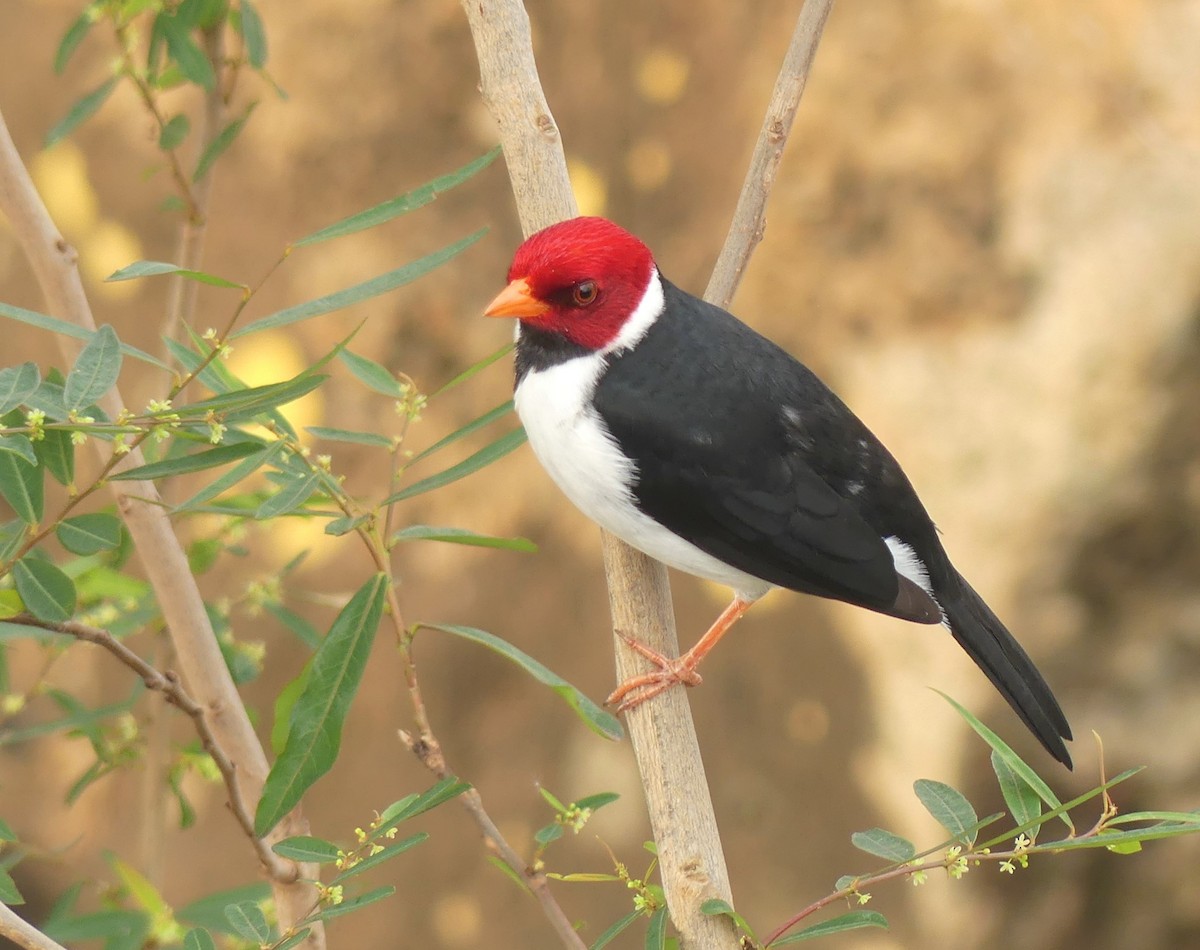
(986, 236)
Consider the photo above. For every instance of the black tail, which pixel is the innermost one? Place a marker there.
(1007, 665)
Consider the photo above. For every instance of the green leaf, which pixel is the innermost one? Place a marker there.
(123, 929)
(304, 631)
(475, 368)
(144, 894)
(17, 383)
(248, 921)
(389, 852)
(139, 269)
(548, 834)
(173, 133)
(412, 805)
(854, 920)
(23, 488)
(19, 446)
(615, 930)
(308, 849)
(599, 721)
(8, 890)
(884, 844)
(348, 435)
(257, 399)
(95, 371)
(209, 911)
(354, 903)
(597, 801)
(217, 146)
(656, 932)
(1121, 847)
(360, 292)
(1014, 761)
(950, 807)
(294, 940)
(372, 375)
(254, 35)
(185, 52)
(80, 112)
(32, 318)
(424, 532)
(71, 39)
(89, 534)
(486, 419)
(715, 906)
(196, 462)
(198, 939)
(1179, 817)
(56, 452)
(403, 204)
(6, 833)
(339, 526)
(316, 733)
(468, 466)
(1022, 801)
(285, 703)
(294, 493)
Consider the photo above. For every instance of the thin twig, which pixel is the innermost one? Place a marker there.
(54, 263)
(22, 933)
(167, 682)
(749, 218)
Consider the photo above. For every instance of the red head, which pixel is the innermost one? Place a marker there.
(580, 278)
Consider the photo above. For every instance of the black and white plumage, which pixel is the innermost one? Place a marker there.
(696, 440)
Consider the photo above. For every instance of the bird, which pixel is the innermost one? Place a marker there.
(693, 438)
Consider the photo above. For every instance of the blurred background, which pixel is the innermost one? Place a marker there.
(986, 238)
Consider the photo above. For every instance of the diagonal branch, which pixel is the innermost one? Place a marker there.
(22, 933)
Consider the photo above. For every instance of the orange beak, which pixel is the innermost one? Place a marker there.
(516, 300)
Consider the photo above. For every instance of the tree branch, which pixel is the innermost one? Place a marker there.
(23, 933)
(54, 263)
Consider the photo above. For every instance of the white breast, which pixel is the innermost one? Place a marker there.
(571, 441)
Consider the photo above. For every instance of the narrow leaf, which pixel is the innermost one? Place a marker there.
(80, 112)
(307, 849)
(615, 930)
(339, 526)
(95, 371)
(20, 447)
(254, 35)
(486, 419)
(714, 906)
(304, 631)
(89, 534)
(1015, 762)
(412, 805)
(372, 375)
(217, 146)
(8, 890)
(294, 940)
(316, 733)
(360, 292)
(47, 592)
(1022, 801)
(71, 40)
(17, 383)
(403, 204)
(854, 920)
(424, 532)
(185, 52)
(656, 932)
(389, 852)
(1180, 817)
(223, 483)
(884, 844)
(599, 721)
(354, 903)
(43, 322)
(950, 807)
(475, 368)
(209, 911)
(247, 919)
(259, 398)
(294, 493)
(22, 486)
(139, 269)
(468, 466)
(196, 462)
(285, 703)
(349, 435)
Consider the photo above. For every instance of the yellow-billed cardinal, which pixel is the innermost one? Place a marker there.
(682, 431)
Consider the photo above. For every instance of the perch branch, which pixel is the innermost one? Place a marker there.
(22, 933)
(53, 261)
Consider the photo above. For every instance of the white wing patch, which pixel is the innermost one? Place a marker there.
(908, 564)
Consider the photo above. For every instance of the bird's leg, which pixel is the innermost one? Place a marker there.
(673, 671)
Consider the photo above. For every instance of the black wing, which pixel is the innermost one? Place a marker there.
(761, 465)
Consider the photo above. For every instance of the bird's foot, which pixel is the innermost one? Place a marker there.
(671, 671)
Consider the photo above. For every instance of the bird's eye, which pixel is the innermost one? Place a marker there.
(584, 293)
